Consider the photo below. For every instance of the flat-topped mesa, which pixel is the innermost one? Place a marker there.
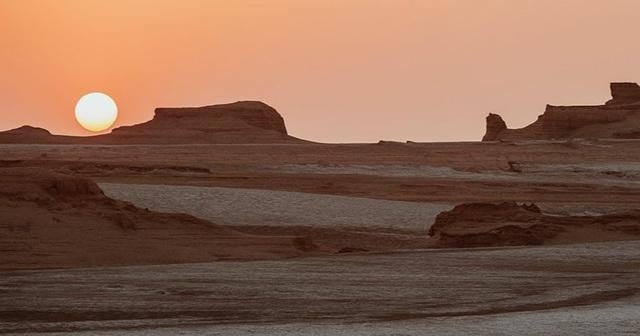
(618, 118)
(243, 122)
(215, 118)
(240, 122)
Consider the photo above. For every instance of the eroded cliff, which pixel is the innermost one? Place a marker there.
(617, 118)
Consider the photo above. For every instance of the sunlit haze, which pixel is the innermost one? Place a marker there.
(338, 71)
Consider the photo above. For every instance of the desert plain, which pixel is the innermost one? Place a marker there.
(273, 235)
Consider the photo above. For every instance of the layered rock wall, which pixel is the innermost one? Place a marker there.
(618, 118)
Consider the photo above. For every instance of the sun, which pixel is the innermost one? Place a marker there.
(96, 111)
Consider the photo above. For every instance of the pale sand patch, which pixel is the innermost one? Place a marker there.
(234, 206)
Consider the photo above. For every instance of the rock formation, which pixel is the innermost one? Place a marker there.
(26, 133)
(624, 93)
(495, 127)
(510, 224)
(240, 122)
(55, 220)
(617, 118)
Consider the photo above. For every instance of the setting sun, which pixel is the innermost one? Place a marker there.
(96, 111)
(306, 167)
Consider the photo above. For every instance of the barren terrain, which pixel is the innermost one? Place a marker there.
(359, 216)
(588, 289)
(357, 196)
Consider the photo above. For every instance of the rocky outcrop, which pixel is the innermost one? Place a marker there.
(51, 220)
(618, 118)
(495, 127)
(624, 93)
(511, 224)
(240, 122)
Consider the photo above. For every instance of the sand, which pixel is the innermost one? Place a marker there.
(51, 220)
(430, 172)
(233, 206)
(588, 289)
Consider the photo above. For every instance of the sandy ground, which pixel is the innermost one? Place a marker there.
(59, 221)
(584, 289)
(590, 172)
(229, 206)
(615, 174)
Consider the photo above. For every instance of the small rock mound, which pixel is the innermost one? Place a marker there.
(26, 134)
(479, 214)
(29, 130)
(511, 224)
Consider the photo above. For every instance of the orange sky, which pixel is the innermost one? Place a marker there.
(338, 71)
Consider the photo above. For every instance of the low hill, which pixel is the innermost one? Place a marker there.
(50, 220)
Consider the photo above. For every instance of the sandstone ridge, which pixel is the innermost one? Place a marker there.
(617, 118)
(234, 123)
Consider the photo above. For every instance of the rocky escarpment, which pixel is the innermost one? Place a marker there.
(240, 122)
(235, 123)
(617, 118)
(511, 224)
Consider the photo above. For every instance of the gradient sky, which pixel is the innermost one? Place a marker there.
(338, 71)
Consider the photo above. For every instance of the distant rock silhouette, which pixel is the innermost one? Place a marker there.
(239, 122)
(495, 127)
(617, 118)
(26, 134)
(624, 93)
